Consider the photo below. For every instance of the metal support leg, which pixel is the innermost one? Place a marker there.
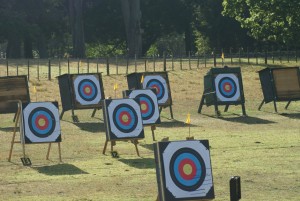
(201, 103)
(226, 108)
(287, 105)
(263, 101)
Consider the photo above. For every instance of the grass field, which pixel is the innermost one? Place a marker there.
(262, 148)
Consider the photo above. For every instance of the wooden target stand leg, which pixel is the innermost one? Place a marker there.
(287, 105)
(153, 128)
(94, 112)
(59, 151)
(113, 143)
(171, 111)
(74, 117)
(261, 104)
(201, 103)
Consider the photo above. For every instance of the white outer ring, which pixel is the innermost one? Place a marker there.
(27, 132)
(204, 153)
(114, 129)
(77, 80)
(218, 93)
(152, 95)
(147, 78)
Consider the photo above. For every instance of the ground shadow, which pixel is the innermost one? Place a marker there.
(174, 123)
(9, 129)
(291, 115)
(94, 127)
(141, 163)
(242, 119)
(60, 169)
(147, 146)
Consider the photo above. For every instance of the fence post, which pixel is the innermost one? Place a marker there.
(135, 65)
(6, 67)
(59, 67)
(222, 56)
(165, 61)
(17, 69)
(296, 56)
(288, 55)
(107, 66)
(204, 59)
(127, 64)
(49, 69)
(248, 55)
(215, 59)
(38, 69)
(68, 66)
(230, 52)
(172, 62)
(180, 62)
(190, 60)
(266, 57)
(280, 58)
(273, 60)
(240, 56)
(97, 65)
(145, 65)
(256, 57)
(154, 63)
(198, 60)
(88, 65)
(117, 65)
(78, 66)
(28, 69)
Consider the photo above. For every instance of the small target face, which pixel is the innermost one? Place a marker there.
(41, 122)
(148, 104)
(87, 89)
(125, 120)
(158, 83)
(227, 87)
(187, 169)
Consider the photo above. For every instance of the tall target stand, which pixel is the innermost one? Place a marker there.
(156, 80)
(80, 91)
(280, 84)
(149, 106)
(38, 123)
(183, 170)
(223, 86)
(123, 121)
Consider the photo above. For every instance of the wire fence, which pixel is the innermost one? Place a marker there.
(51, 68)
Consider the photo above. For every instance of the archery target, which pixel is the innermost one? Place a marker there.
(187, 169)
(227, 87)
(87, 90)
(41, 122)
(124, 116)
(159, 83)
(148, 104)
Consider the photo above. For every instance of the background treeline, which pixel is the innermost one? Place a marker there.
(100, 28)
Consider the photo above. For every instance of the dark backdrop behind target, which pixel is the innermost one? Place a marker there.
(158, 80)
(81, 91)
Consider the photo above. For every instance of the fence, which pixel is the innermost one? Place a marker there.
(51, 68)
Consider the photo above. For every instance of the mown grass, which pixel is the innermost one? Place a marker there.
(263, 148)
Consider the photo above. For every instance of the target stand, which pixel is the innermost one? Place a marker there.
(280, 84)
(183, 170)
(13, 89)
(149, 106)
(156, 80)
(123, 121)
(223, 86)
(81, 91)
(38, 123)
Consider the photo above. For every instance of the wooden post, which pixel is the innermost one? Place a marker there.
(127, 64)
(180, 62)
(107, 66)
(59, 67)
(117, 65)
(165, 61)
(266, 57)
(135, 64)
(215, 59)
(78, 66)
(6, 67)
(38, 69)
(145, 65)
(172, 62)
(190, 67)
(17, 69)
(198, 60)
(68, 66)
(288, 55)
(248, 55)
(28, 73)
(204, 59)
(256, 57)
(296, 56)
(49, 69)
(230, 52)
(97, 65)
(88, 65)
(154, 63)
(240, 56)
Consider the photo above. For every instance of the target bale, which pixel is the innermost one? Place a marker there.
(280, 84)
(13, 88)
(40, 123)
(81, 91)
(183, 170)
(122, 120)
(148, 104)
(156, 80)
(223, 86)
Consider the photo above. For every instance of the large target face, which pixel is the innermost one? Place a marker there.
(41, 122)
(227, 87)
(148, 104)
(87, 90)
(125, 119)
(159, 83)
(187, 169)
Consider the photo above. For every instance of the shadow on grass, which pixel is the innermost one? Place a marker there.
(60, 169)
(9, 129)
(174, 123)
(292, 115)
(147, 146)
(93, 127)
(242, 119)
(141, 163)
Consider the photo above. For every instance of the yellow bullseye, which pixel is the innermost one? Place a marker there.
(125, 118)
(187, 169)
(227, 87)
(41, 122)
(87, 90)
(143, 106)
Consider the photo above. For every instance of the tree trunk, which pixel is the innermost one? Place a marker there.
(132, 18)
(28, 47)
(76, 21)
(13, 48)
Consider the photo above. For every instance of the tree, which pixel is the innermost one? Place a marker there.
(76, 22)
(276, 20)
(132, 20)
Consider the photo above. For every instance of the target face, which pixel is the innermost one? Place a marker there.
(87, 89)
(40, 122)
(186, 170)
(148, 104)
(158, 83)
(227, 87)
(123, 119)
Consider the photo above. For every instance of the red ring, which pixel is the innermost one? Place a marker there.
(182, 173)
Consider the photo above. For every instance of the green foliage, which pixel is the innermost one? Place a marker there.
(202, 43)
(96, 50)
(276, 20)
